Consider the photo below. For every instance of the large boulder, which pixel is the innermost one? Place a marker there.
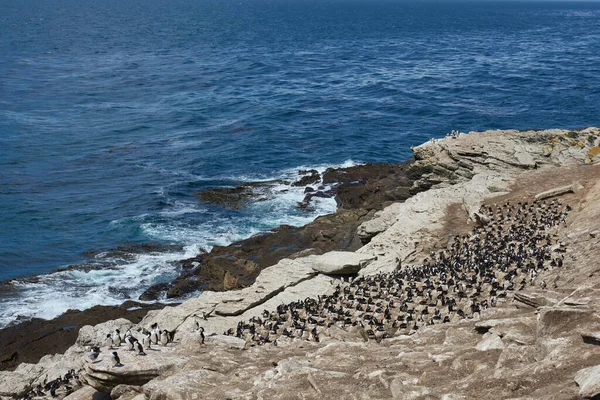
(339, 262)
(490, 341)
(135, 370)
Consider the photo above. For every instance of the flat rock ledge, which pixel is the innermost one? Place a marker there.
(340, 262)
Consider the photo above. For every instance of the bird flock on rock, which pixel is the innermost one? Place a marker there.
(476, 271)
(64, 385)
(504, 254)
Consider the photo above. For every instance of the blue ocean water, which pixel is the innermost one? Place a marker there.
(113, 114)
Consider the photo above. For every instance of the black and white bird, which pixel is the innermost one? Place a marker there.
(140, 349)
(108, 342)
(164, 337)
(94, 353)
(116, 338)
(130, 341)
(146, 340)
(154, 335)
(116, 360)
(201, 333)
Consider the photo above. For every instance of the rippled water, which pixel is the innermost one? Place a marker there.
(113, 114)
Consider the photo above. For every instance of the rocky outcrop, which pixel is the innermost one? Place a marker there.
(540, 344)
(339, 262)
(30, 340)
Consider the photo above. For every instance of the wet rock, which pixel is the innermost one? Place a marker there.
(154, 292)
(186, 286)
(310, 177)
(237, 197)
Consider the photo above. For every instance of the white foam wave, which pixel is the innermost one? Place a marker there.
(76, 289)
(54, 294)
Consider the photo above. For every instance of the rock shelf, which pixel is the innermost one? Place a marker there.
(470, 289)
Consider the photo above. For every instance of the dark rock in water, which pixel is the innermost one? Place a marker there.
(310, 177)
(305, 203)
(154, 292)
(308, 189)
(369, 186)
(30, 340)
(359, 192)
(185, 286)
(237, 197)
(233, 198)
(135, 248)
(121, 292)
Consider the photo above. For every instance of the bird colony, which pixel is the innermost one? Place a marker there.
(505, 253)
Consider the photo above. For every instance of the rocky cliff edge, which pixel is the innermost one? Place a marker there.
(539, 340)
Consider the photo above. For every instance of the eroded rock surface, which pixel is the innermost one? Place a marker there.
(535, 347)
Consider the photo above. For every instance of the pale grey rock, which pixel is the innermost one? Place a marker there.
(534, 300)
(453, 396)
(401, 389)
(385, 263)
(88, 393)
(135, 370)
(18, 383)
(125, 392)
(559, 191)
(588, 380)
(490, 341)
(339, 262)
(270, 281)
(231, 342)
(554, 322)
(524, 157)
(184, 385)
(96, 335)
(512, 359)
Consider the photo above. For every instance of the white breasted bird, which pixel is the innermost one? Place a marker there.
(164, 337)
(116, 360)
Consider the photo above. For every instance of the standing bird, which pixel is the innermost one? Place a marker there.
(140, 349)
(108, 342)
(164, 337)
(146, 340)
(201, 331)
(130, 341)
(94, 353)
(116, 360)
(116, 338)
(155, 334)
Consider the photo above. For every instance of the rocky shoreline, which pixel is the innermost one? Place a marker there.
(539, 341)
(359, 192)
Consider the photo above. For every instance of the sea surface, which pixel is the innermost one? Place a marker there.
(114, 114)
